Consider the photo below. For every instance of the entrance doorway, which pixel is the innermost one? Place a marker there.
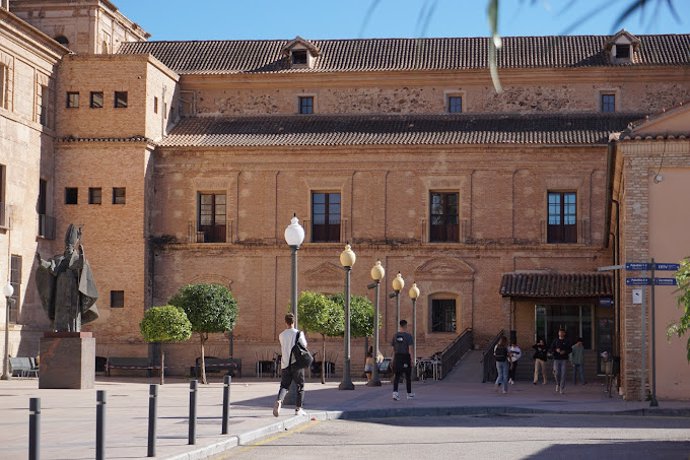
(577, 320)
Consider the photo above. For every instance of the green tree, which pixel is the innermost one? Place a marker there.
(317, 313)
(165, 324)
(210, 308)
(683, 325)
(361, 314)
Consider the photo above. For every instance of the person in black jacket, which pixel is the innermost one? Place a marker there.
(540, 356)
(560, 348)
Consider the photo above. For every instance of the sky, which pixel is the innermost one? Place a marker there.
(332, 19)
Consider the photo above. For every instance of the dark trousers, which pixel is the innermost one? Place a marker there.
(287, 376)
(402, 366)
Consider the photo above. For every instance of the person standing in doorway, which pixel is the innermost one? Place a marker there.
(540, 356)
(402, 341)
(501, 357)
(577, 357)
(288, 373)
(561, 349)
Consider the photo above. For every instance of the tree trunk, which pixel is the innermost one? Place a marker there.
(203, 359)
(162, 360)
(323, 360)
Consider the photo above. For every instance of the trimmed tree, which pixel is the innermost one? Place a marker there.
(361, 314)
(683, 325)
(318, 313)
(165, 324)
(210, 308)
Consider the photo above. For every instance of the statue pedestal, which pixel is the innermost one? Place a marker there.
(68, 360)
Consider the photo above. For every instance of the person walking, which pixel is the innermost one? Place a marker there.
(501, 356)
(402, 341)
(514, 354)
(540, 356)
(577, 358)
(289, 374)
(560, 348)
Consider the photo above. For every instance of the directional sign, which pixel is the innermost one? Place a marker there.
(638, 281)
(638, 266)
(669, 267)
(665, 281)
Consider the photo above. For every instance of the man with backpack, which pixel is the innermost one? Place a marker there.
(288, 373)
(402, 343)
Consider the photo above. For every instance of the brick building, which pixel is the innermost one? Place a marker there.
(185, 161)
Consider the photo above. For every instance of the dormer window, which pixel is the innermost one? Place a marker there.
(622, 51)
(622, 46)
(299, 57)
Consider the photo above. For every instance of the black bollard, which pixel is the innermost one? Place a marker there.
(153, 404)
(34, 428)
(193, 385)
(100, 425)
(226, 403)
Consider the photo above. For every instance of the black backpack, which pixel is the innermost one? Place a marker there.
(303, 358)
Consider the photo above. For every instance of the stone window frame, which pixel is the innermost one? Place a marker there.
(44, 87)
(608, 92)
(306, 96)
(447, 95)
(6, 80)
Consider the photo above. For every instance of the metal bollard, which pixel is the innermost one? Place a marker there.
(34, 428)
(193, 386)
(100, 425)
(153, 405)
(226, 403)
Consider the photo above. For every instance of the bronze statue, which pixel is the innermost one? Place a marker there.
(66, 286)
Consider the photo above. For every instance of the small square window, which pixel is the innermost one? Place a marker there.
(117, 299)
(71, 195)
(306, 105)
(299, 57)
(72, 100)
(608, 103)
(454, 104)
(94, 195)
(96, 100)
(120, 99)
(119, 195)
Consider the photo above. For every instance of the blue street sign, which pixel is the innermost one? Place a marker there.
(669, 267)
(665, 281)
(638, 281)
(638, 266)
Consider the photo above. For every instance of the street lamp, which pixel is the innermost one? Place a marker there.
(8, 290)
(398, 285)
(294, 236)
(347, 260)
(377, 274)
(414, 293)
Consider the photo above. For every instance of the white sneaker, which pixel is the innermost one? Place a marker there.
(276, 407)
(511, 381)
(300, 411)
(558, 388)
(410, 395)
(396, 396)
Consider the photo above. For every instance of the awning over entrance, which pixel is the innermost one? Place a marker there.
(556, 285)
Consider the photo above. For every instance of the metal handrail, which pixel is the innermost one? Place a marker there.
(489, 361)
(455, 350)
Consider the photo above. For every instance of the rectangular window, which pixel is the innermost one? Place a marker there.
(72, 100)
(43, 105)
(325, 213)
(562, 217)
(306, 105)
(120, 99)
(155, 104)
(443, 317)
(96, 100)
(117, 299)
(622, 51)
(3, 203)
(444, 217)
(46, 224)
(16, 282)
(299, 57)
(454, 104)
(212, 217)
(119, 195)
(608, 103)
(94, 195)
(71, 195)
(4, 85)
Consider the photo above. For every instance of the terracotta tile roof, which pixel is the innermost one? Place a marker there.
(106, 139)
(248, 56)
(556, 285)
(415, 129)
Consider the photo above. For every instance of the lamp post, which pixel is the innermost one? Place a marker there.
(8, 290)
(347, 260)
(377, 274)
(398, 285)
(414, 293)
(294, 236)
